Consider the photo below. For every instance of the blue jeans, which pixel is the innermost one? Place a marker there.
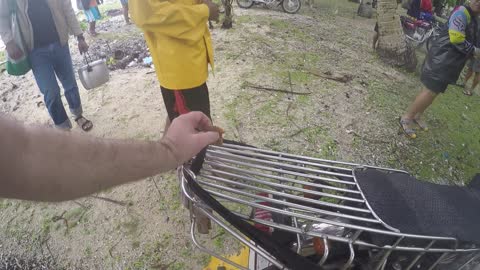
(47, 62)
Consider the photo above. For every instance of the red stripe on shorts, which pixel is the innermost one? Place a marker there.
(180, 105)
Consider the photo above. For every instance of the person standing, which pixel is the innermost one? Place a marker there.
(179, 40)
(92, 14)
(445, 61)
(45, 26)
(125, 11)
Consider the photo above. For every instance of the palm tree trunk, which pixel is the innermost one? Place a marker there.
(392, 46)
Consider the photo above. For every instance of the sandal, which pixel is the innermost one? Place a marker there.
(85, 124)
(405, 125)
(421, 124)
(467, 92)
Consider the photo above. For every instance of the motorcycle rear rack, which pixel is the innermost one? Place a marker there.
(235, 175)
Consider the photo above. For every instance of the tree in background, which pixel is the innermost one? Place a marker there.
(392, 45)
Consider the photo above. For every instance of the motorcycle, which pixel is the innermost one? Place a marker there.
(298, 212)
(420, 32)
(288, 6)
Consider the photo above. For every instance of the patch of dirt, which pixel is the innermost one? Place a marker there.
(142, 225)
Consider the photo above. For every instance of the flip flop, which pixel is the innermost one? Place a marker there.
(421, 124)
(467, 92)
(85, 124)
(409, 132)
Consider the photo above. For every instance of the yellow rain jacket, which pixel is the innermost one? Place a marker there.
(179, 40)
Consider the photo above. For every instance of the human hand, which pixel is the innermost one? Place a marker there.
(82, 46)
(189, 134)
(213, 9)
(14, 52)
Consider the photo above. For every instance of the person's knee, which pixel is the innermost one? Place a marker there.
(52, 96)
(428, 92)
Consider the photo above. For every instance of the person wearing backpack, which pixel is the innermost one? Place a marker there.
(45, 27)
(456, 43)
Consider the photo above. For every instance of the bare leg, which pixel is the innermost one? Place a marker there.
(92, 28)
(415, 111)
(468, 75)
(476, 80)
(375, 40)
(125, 14)
(420, 104)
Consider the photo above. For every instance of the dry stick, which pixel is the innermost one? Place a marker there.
(111, 248)
(57, 218)
(291, 88)
(342, 79)
(290, 105)
(156, 186)
(81, 204)
(45, 241)
(109, 200)
(276, 90)
(300, 130)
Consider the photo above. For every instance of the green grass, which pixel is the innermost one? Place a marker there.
(450, 150)
(2, 59)
(242, 19)
(109, 6)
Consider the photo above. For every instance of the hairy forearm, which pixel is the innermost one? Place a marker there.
(49, 165)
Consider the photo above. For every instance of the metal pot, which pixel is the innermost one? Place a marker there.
(93, 74)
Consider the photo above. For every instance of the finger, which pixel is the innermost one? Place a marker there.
(205, 138)
(198, 120)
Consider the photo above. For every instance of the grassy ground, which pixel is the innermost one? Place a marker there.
(353, 121)
(2, 58)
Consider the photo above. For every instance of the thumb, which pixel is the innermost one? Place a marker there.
(206, 138)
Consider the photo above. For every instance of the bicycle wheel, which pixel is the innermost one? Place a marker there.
(291, 6)
(245, 3)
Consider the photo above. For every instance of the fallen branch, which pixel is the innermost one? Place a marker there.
(80, 204)
(300, 130)
(109, 200)
(276, 90)
(156, 186)
(110, 250)
(57, 218)
(328, 75)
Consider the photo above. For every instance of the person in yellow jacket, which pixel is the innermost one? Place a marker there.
(180, 44)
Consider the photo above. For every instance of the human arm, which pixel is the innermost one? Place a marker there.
(186, 22)
(74, 25)
(5, 27)
(43, 164)
(71, 18)
(13, 50)
(457, 25)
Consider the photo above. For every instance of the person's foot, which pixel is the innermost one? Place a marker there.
(407, 127)
(93, 33)
(419, 121)
(85, 124)
(467, 91)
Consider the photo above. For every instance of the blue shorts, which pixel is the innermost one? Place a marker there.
(92, 14)
(124, 2)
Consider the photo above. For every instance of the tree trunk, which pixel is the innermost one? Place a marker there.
(365, 9)
(392, 45)
(228, 20)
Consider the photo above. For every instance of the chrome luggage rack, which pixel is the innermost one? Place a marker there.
(237, 176)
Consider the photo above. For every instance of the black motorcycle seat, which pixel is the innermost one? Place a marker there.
(417, 207)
